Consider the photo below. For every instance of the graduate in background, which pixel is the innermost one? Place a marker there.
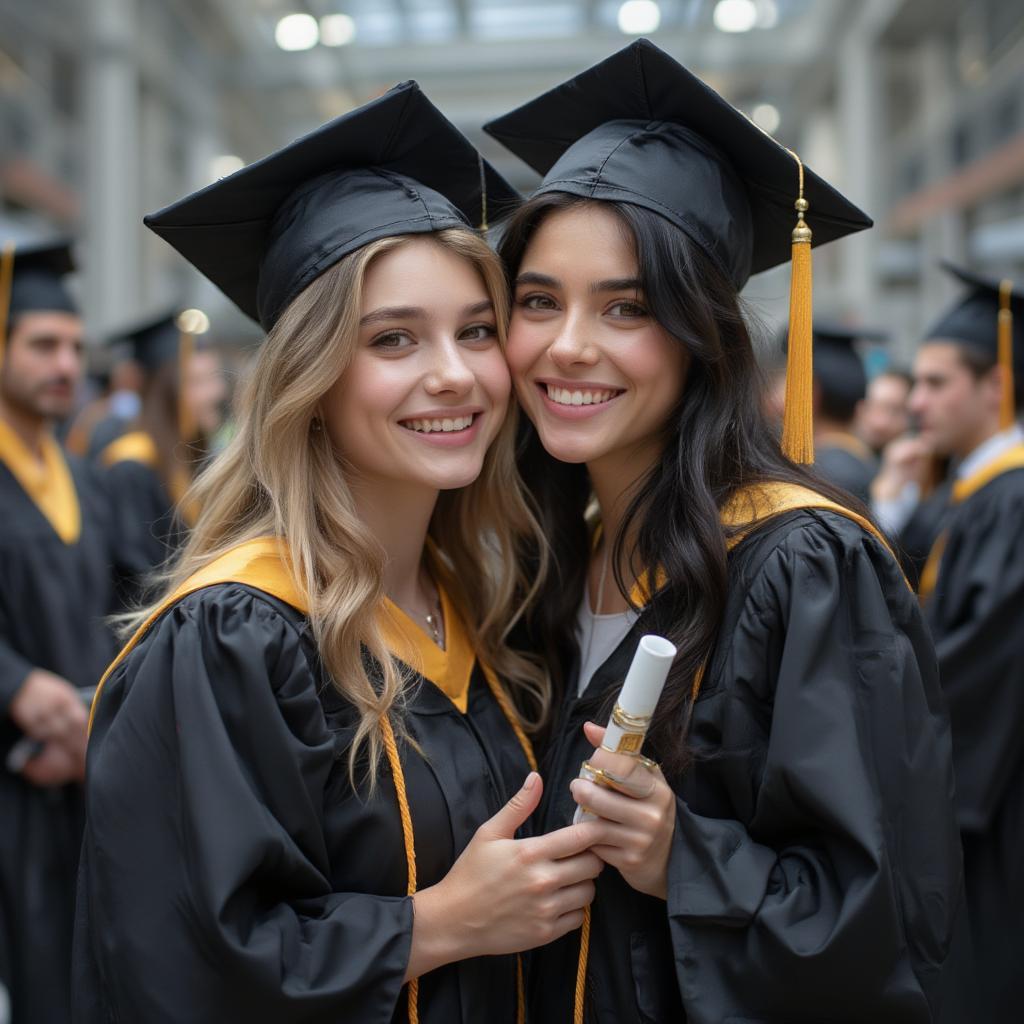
(108, 417)
(840, 386)
(968, 385)
(883, 416)
(797, 858)
(150, 466)
(55, 589)
(305, 771)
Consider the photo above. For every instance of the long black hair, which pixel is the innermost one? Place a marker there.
(715, 441)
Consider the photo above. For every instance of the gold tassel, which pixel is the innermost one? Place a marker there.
(187, 428)
(483, 194)
(1007, 409)
(6, 284)
(798, 418)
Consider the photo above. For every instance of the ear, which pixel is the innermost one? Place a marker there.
(992, 383)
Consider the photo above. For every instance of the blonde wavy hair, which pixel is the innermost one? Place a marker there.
(281, 476)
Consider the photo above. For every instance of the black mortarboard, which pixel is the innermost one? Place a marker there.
(990, 317)
(974, 319)
(838, 367)
(37, 282)
(154, 341)
(394, 166)
(639, 128)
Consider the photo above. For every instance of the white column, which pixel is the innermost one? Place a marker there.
(112, 207)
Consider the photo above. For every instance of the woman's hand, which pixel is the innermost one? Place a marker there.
(637, 822)
(505, 895)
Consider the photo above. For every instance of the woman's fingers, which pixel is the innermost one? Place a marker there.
(645, 815)
(573, 897)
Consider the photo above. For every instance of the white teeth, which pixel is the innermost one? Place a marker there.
(563, 396)
(446, 426)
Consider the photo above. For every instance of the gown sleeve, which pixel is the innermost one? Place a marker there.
(14, 669)
(837, 893)
(975, 615)
(204, 892)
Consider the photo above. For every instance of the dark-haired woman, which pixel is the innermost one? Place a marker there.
(795, 858)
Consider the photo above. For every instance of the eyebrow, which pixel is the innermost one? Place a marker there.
(616, 284)
(386, 313)
(612, 284)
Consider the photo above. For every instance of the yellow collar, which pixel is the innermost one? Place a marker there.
(135, 446)
(450, 669)
(752, 506)
(49, 484)
(263, 565)
(1012, 458)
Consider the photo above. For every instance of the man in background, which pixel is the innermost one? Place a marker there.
(55, 589)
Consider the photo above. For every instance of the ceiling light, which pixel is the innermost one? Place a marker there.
(735, 15)
(766, 116)
(222, 166)
(297, 32)
(337, 30)
(639, 16)
(767, 13)
(193, 321)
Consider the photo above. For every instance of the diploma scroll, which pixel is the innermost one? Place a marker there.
(636, 702)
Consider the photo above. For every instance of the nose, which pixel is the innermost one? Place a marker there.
(69, 361)
(449, 372)
(915, 400)
(572, 346)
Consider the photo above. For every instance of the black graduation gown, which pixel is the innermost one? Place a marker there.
(841, 467)
(147, 528)
(977, 619)
(229, 870)
(922, 529)
(815, 873)
(53, 599)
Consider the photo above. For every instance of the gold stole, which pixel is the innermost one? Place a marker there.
(753, 506)
(263, 565)
(1012, 458)
(49, 485)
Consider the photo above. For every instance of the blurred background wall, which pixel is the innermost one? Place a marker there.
(915, 108)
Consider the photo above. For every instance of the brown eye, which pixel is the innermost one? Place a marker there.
(392, 341)
(537, 302)
(629, 310)
(479, 332)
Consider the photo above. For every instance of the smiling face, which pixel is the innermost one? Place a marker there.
(427, 388)
(596, 374)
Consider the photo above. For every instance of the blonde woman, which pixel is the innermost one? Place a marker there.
(305, 771)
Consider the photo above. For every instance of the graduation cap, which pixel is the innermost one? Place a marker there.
(168, 337)
(990, 317)
(393, 166)
(639, 128)
(31, 280)
(154, 341)
(838, 367)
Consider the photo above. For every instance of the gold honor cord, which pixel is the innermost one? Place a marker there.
(798, 418)
(6, 284)
(263, 564)
(186, 418)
